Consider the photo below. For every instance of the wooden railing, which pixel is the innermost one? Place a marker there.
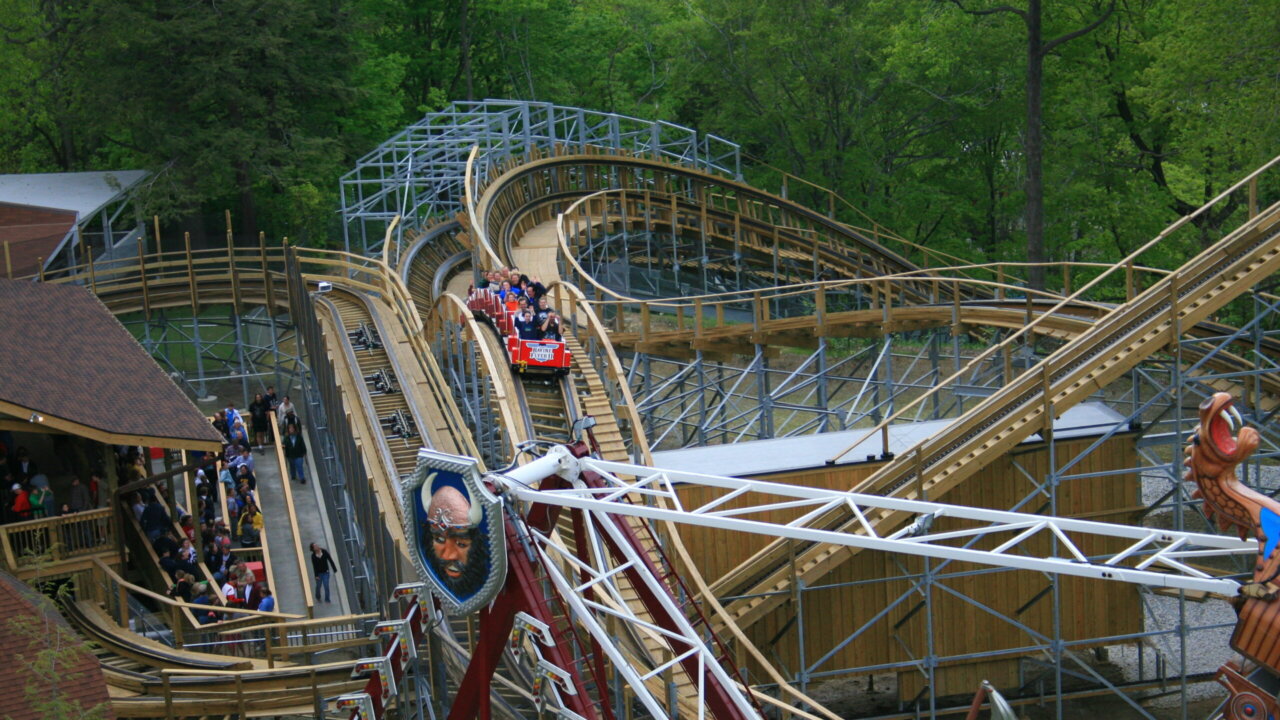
(585, 325)
(648, 209)
(522, 192)
(52, 540)
(449, 315)
(304, 637)
(105, 586)
(372, 275)
(242, 691)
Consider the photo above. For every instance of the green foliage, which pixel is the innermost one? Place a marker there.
(914, 112)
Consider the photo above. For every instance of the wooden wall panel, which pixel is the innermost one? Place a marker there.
(844, 602)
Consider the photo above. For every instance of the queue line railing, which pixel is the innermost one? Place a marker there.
(31, 544)
(308, 598)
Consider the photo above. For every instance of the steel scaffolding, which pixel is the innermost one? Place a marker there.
(419, 173)
(840, 383)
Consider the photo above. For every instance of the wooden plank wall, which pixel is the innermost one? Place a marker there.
(1089, 608)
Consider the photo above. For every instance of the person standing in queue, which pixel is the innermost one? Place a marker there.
(322, 564)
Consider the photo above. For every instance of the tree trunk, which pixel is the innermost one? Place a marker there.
(1035, 147)
(464, 45)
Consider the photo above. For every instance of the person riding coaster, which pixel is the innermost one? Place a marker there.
(533, 339)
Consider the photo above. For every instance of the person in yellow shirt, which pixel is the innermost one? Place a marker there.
(250, 525)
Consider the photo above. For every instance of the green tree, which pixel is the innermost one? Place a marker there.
(1037, 49)
(49, 125)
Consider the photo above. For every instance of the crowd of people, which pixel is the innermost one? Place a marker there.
(231, 476)
(29, 495)
(526, 299)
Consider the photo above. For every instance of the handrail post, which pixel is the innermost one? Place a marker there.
(175, 621)
(887, 313)
(955, 308)
(266, 273)
(231, 263)
(142, 276)
(122, 596)
(820, 310)
(192, 288)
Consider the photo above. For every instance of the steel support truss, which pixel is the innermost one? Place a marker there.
(842, 384)
(687, 402)
(1151, 557)
(1168, 550)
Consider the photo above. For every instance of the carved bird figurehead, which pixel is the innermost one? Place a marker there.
(1218, 419)
(1212, 456)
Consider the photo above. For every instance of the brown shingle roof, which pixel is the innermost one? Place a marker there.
(32, 233)
(65, 356)
(28, 626)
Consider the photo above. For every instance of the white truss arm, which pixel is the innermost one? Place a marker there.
(1149, 546)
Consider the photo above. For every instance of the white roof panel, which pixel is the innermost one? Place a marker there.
(83, 192)
(791, 454)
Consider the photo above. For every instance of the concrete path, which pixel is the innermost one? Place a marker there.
(284, 559)
(313, 524)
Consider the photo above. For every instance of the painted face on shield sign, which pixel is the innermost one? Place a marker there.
(456, 551)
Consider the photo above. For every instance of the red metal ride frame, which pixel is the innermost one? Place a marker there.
(521, 592)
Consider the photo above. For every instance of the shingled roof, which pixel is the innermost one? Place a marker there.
(66, 362)
(30, 235)
(71, 670)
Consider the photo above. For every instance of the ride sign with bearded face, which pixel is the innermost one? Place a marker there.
(457, 531)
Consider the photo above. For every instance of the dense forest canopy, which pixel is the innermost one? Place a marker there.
(916, 111)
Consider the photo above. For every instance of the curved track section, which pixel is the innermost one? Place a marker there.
(434, 256)
(522, 195)
(600, 384)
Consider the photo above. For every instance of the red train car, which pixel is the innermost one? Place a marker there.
(538, 355)
(523, 355)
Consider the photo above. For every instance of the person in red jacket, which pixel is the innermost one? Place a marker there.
(21, 503)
